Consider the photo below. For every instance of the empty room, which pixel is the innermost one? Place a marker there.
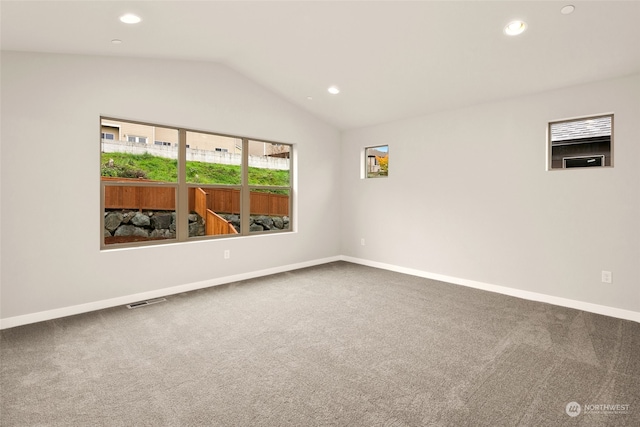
(319, 213)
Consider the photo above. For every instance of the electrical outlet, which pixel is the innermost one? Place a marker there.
(227, 254)
(362, 241)
(606, 276)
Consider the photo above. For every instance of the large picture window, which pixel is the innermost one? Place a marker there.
(195, 185)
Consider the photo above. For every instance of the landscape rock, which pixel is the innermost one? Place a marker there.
(131, 230)
(141, 220)
(278, 222)
(256, 227)
(162, 234)
(196, 229)
(265, 221)
(161, 221)
(112, 220)
(162, 224)
(126, 217)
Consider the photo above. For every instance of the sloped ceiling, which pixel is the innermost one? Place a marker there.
(391, 59)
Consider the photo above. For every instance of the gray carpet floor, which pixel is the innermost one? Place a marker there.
(333, 345)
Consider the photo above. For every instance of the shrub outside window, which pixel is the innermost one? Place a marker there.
(194, 185)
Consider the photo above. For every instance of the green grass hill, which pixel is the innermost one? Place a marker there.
(147, 166)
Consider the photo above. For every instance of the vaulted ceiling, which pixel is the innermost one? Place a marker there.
(390, 59)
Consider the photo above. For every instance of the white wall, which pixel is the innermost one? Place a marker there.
(51, 105)
(468, 197)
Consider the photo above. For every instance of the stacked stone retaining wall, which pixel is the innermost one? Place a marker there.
(162, 224)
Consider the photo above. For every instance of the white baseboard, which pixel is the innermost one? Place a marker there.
(11, 322)
(532, 296)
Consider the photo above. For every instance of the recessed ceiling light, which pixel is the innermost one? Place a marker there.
(310, 98)
(514, 28)
(567, 9)
(116, 41)
(333, 90)
(130, 18)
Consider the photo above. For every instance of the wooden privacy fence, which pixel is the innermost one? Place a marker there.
(130, 197)
(269, 204)
(223, 200)
(227, 200)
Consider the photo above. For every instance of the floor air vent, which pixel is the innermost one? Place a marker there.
(145, 302)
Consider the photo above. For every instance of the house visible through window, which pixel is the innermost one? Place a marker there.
(581, 143)
(376, 161)
(182, 187)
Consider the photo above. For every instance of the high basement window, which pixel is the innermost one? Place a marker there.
(376, 161)
(581, 143)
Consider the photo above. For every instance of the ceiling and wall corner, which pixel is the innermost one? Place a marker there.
(392, 60)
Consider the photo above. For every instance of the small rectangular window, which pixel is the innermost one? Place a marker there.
(376, 161)
(138, 139)
(581, 143)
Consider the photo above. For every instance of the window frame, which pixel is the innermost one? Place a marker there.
(609, 154)
(181, 188)
(365, 162)
(600, 156)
